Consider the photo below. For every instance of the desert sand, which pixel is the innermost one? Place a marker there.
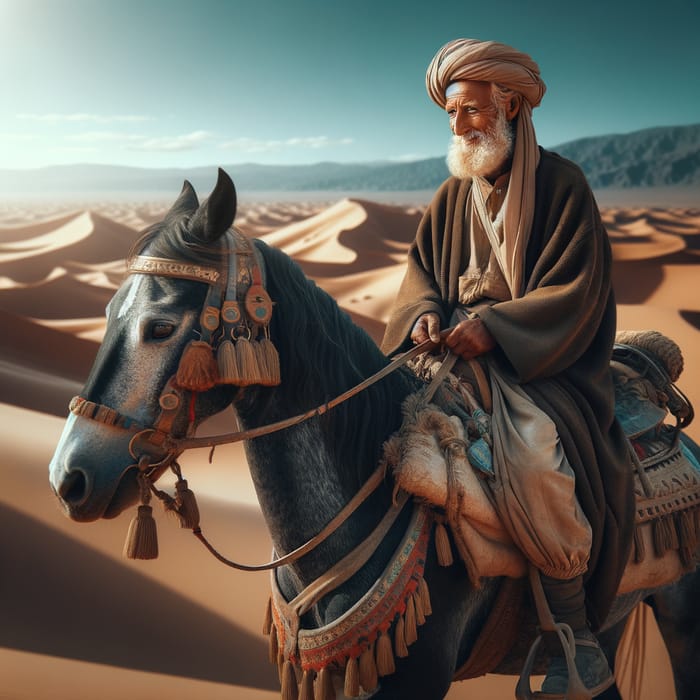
(81, 622)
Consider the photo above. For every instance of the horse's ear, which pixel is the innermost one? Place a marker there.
(215, 215)
(185, 204)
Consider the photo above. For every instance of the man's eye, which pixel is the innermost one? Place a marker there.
(160, 330)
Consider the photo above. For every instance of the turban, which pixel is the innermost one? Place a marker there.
(488, 61)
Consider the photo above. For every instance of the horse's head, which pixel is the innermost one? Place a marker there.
(156, 374)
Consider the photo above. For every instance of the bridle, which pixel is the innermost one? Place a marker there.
(156, 447)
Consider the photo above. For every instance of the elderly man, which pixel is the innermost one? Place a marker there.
(512, 254)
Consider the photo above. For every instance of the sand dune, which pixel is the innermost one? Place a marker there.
(81, 622)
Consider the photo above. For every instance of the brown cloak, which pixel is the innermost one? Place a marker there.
(556, 341)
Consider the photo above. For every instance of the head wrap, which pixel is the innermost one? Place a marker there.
(489, 61)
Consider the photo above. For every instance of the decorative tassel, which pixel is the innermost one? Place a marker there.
(443, 546)
(268, 361)
(290, 689)
(425, 597)
(639, 549)
(418, 604)
(400, 648)
(267, 621)
(324, 685)
(227, 363)
(273, 647)
(369, 678)
(351, 687)
(142, 538)
(307, 685)
(247, 362)
(663, 537)
(187, 507)
(410, 627)
(197, 370)
(687, 539)
(385, 656)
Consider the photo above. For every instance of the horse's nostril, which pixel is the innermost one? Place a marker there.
(73, 488)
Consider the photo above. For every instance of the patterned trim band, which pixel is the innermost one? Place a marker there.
(172, 268)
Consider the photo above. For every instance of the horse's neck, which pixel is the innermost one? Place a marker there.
(304, 475)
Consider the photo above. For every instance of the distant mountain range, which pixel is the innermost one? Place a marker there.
(662, 156)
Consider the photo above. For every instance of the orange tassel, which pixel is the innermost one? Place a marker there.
(385, 656)
(400, 648)
(418, 605)
(267, 622)
(351, 687)
(425, 597)
(324, 685)
(142, 538)
(197, 370)
(273, 648)
(369, 678)
(411, 630)
(307, 685)
(290, 689)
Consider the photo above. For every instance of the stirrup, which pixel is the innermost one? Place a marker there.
(576, 689)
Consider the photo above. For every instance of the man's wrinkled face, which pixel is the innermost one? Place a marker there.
(483, 140)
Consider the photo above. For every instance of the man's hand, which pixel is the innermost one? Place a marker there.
(470, 338)
(427, 326)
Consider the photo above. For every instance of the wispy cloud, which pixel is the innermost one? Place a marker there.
(78, 117)
(248, 145)
(141, 142)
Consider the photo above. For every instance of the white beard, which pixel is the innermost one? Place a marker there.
(485, 157)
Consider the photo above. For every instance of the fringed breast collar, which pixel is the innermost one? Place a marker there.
(362, 643)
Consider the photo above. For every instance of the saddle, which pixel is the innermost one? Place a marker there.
(434, 457)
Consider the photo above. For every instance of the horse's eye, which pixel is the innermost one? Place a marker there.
(161, 329)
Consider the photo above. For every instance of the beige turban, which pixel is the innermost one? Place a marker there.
(489, 61)
(471, 59)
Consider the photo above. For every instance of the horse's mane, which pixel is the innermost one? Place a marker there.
(323, 353)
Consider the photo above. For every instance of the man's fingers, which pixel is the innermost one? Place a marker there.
(434, 328)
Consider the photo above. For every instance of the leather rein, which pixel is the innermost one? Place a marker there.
(156, 447)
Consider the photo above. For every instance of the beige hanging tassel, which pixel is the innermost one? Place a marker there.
(268, 361)
(324, 685)
(385, 656)
(442, 545)
(227, 363)
(369, 678)
(400, 648)
(247, 362)
(425, 597)
(306, 692)
(639, 548)
(267, 621)
(410, 627)
(142, 537)
(186, 504)
(290, 689)
(351, 688)
(197, 370)
(273, 646)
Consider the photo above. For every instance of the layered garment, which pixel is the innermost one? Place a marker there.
(555, 341)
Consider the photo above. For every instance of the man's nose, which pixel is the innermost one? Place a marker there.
(460, 124)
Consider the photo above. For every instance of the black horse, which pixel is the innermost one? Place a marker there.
(306, 473)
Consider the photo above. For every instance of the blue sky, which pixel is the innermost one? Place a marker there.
(158, 83)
